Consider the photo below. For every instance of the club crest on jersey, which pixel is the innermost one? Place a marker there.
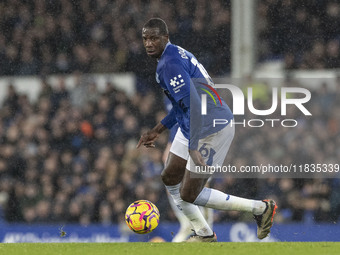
(177, 82)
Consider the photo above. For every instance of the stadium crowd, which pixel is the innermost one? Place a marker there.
(44, 37)
(305, 33)
(70, 156)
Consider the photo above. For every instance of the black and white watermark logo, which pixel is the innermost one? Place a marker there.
(239, 105)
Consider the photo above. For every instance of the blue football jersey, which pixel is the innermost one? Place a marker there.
(184, 80)
(173, 130)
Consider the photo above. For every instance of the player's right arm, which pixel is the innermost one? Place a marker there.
(147, 139)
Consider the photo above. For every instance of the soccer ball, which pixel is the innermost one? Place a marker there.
(142, 216)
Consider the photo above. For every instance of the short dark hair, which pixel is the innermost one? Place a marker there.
(157, 23)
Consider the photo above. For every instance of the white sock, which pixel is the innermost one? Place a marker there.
(191, 211)
(218, 200)
(208, 214)
(183, 220)
(185, 228)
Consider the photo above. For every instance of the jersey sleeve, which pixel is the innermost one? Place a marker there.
(170, 120)
(177, 79)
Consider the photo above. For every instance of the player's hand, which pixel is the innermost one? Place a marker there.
(197, 158)
(147, 139)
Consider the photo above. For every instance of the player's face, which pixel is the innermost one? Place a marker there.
(154, 43)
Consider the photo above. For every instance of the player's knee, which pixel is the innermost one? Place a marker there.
(187, 195)
(164, 177)
(167, 178)
(171, 176)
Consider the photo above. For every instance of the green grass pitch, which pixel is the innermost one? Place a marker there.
(307, 248)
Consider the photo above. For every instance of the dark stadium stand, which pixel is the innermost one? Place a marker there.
(69, 157)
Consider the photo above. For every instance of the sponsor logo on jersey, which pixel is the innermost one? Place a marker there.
(177, 82)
